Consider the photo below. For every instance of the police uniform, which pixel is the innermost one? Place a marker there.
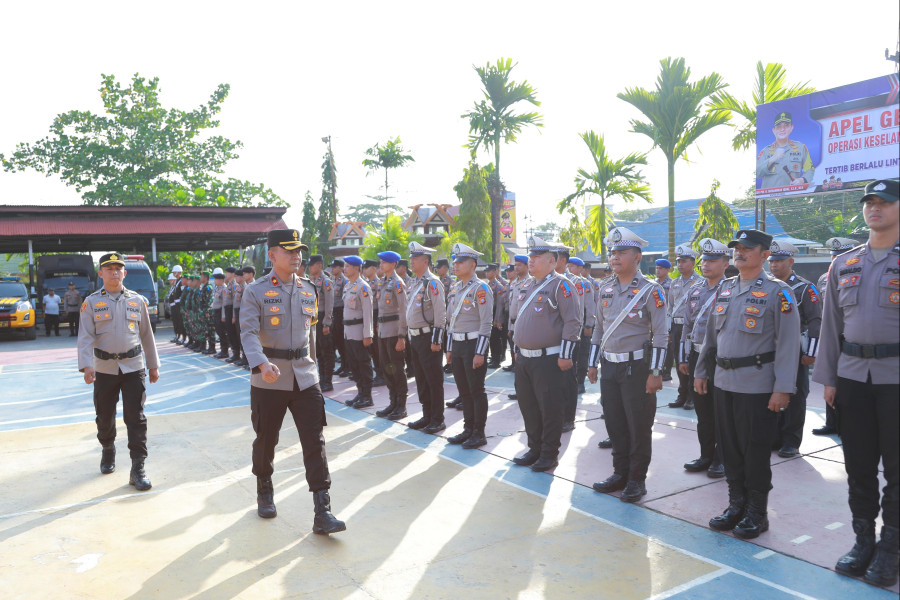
(795, 163)
(666, 282)
(549, 321)
(515, 286)
(569, 384)
(585, 291)
(114, 338)
(676, 298)
(426, 320)
(234, 293)
(470, 312)
(218, 303)
(391, 302)
(584, 346)
(238, 299)
(629, 344)
(337, 317)
(324, 343)
(277, 320)
(72, 303)
(791, 421)
(755, 335)
(359, 324)
(858, 352)
(175, 306)
(228, 315)
(375, 284)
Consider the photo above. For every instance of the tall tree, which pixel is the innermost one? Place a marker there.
(310, 223)
(139, 152)
(716, 220)
(675, 119)
(770, 86)
(474, 218)
(492, 122)
(389, 156)
(327, 202)
(609, 178)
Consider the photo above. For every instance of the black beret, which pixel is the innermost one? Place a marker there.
(370, 263)
(337, 263)
(316, 258)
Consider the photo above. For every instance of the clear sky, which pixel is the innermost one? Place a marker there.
(364, 71)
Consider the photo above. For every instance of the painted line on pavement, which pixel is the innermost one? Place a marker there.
(689, 585)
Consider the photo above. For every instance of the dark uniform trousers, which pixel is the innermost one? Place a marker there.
(359, 361)
(629, 412)
(237, 332)
(674, 346)
(392, 365)
(337, 333)
(792, 420)
(230, 329)
(470, 384)
(746, 430)
(324, 352)
(106, 397)
(221, 329)
(570, 390)
(51, 323)
(178, 320)
(267, 410)
(870, 421)
(498, 349)
(74, 319)
(537, 385)
(429, 376)
(705, 406)
(582, 355)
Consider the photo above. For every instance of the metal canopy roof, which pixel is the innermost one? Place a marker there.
(130, 229)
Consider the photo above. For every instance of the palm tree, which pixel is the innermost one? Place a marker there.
(389, 236)
(387, 157)
(620, 178)
(674, 119)
(770, 87)
(492, 121)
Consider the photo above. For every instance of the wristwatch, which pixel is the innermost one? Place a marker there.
(655, 372)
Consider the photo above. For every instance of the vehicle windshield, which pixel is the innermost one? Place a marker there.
(60, 285)
(139, 280)
(12, 289)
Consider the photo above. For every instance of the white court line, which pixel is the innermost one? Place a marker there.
(801, 539)
(835, 525)
(690, 584)
(763, 554)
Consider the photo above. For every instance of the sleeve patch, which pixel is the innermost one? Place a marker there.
(434, 287)
(579, 287)
(83, 306)
(327, 285)
(659, 300)
(786, 301)
(813, 293)
(482, 296)
(365, 290)
(567, 291)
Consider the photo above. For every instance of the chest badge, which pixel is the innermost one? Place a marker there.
(131, 326)
(275, 320)
(720, 309)
(758, 293)
(894, 297)
(751, 310)
(274, 309)
(100, 304)
(750, 323)
(725, 294)
(852, 261)
(272, 293)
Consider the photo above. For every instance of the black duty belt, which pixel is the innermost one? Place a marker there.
(388, 318)
(295, 354)
(870, 350)
(136, 351)
(756, 360)
(353, 322)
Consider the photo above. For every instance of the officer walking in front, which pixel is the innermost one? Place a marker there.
(470, 313)
(391, 303)
(113, 338)
(857, 364)
(324, 338)
(426, 318)
(549, 323)
(278, 314)
(629, 343)
(359, 328)
(754, 332)
(686, 258)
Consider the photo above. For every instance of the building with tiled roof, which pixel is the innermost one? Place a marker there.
(431, 221)
(346, 238)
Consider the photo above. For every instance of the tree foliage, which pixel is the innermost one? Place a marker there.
(816, 217)
(141, 153)
(390, 236)
(445, 248)
(388, 156)
(474, 218)
(327, 203)
(716, 220)
(310, 224)
(371, 213)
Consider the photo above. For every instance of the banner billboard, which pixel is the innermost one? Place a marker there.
(835, 139)
(508, 219)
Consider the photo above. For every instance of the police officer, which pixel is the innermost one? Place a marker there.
(498, 290)
(247, 275)
(791, 421)
(838, 246)
(174, 300)
(218, 303)
(470, 313)
(324, 338)
(686, 258)
(629, 343)
(426, 318)
(549, 322)
(337, 318)
(755, 335)
(278, 314)
(580, 288)
(784, 162)
(857, 364)
(520, 275)
(695, 311)
(206, 329)
(72, 303)
(370, 274)
(113, 338)
(391, 342)
(442, 270)
(359, 327)
(576, 268)
(663, 268)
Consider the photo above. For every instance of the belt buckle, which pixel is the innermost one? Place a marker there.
(867, 350)
(726, 363)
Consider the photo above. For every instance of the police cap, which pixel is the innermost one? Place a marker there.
(289, 239)
(886, 189)
(751, 238)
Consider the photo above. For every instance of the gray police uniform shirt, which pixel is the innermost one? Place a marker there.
(325, 291)
(228, 295)
(666, 284)
(218, 299)
(810, 305)
(862, 302)
(426, 306)
(695, 312)
(470, 309)
(763, 317)
(358, 305)
(239, 295)
(515, 289)
(585, 293)
(822, 284)
(796, 159)
(645, 321)
(116, 323)
(549, 314)
(391, 302)
(339, 282)
(499, 290)
(678, 290)
(280, 314)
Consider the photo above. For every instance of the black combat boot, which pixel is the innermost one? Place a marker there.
(883, 568)
(211, 348)
(265, 498)
(435, 426)
(387, 409)
(325, 522)
(364, 401)
(857, 560)
(735, 511)
(476, 440)
(424, 421)
(399, 411)
(108, 459)
(756, 519)
(459, 438)
(138, 477)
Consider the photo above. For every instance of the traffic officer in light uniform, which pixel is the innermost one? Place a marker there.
(754, 333)
(629, 343)
(278, 314)
(426, 318)
(520, 272)
(857, 364)
(370, 274)
(582, 353)
(791, 421)
(569, 385)
(470, 313)
(113, 338)
(337, 318)
(549, 322)
(838, 246)
(695, 311)
(685, 260)
(391, 303)
(359, 328)
(324, 339)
